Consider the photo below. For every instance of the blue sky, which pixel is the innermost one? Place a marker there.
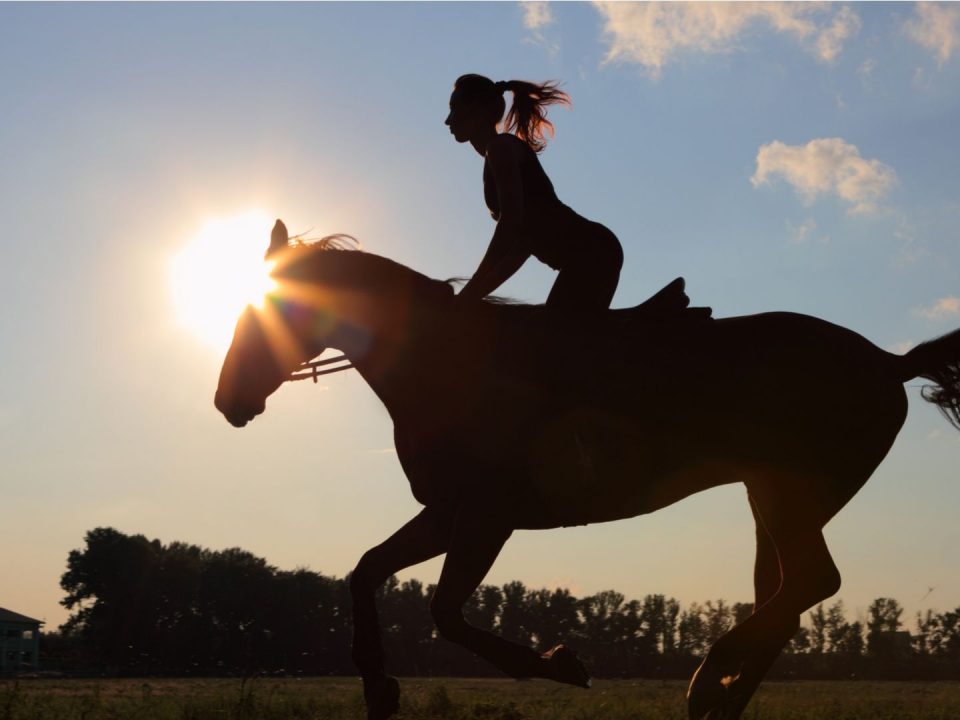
(797, 157)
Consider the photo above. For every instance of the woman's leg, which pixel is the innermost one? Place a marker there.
(590, 280)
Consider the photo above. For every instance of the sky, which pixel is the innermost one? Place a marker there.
(798, 157)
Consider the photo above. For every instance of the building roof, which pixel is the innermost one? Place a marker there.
(11, 616)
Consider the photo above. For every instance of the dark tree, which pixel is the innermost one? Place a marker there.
(884, 619)
(692, 636)
(818, 630)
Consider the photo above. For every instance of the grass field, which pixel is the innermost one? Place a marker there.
(456, 699)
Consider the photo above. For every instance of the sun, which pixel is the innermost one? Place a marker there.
(218, 272)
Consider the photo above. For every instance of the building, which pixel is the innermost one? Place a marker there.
(19, 642)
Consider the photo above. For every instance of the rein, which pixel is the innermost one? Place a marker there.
(309, 370)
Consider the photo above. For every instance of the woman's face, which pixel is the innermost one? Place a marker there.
(464, 117)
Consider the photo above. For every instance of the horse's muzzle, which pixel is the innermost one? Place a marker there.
(237, 421)
(237, 416)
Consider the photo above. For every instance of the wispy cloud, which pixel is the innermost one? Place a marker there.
(942, 308)
(936, 27)
(800, 233)
(537, 16)
(865, 71)
(383, 451)
(843, 24)
(867, 67)
(652, 34)
(911, 249)
(826, 166)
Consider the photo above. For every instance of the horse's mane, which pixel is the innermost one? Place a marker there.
(337, 241)
(357, 267)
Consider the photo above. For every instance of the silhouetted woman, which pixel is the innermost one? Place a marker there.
(531, 220)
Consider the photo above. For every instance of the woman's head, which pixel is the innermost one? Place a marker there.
(477, 104)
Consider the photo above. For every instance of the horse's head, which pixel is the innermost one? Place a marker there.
(326, 296)
(269, 343)
(250, 371)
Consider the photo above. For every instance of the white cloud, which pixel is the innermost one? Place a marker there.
(651, 34)
(826, 166)
(536, 15)
(944, 307)
(936, 27)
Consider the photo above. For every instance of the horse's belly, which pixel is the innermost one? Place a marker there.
(589, 468)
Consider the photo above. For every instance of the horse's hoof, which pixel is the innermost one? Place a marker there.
(383, 697)
(564, 666)
(709, 695)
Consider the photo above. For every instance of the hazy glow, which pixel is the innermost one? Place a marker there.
(219, 272)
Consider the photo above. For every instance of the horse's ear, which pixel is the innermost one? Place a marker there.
(278, 239)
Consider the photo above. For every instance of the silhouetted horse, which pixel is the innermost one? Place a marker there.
(513, 417)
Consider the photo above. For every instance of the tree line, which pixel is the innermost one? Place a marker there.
(141, 607)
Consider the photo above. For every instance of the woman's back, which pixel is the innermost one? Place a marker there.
(546, 221)
(538, 191)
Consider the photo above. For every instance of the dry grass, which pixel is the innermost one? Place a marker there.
(456, 699)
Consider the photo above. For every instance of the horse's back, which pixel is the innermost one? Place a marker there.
(779, 377)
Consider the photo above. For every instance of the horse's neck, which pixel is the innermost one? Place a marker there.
(404, 330)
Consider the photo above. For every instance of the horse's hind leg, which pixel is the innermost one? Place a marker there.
(767, 579)
(766, 569)
(793, 505)
(475, 542)
(739, 660)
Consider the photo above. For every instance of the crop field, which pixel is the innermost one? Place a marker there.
(456, 699)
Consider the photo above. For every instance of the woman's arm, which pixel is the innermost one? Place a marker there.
(508, 249)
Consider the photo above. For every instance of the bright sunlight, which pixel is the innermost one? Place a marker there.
(220, 271)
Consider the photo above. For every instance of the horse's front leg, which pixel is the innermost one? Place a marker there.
(422, 538)
(475, 541)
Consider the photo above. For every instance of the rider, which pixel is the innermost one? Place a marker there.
(531, 220)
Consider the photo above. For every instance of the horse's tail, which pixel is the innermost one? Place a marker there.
(938, 361)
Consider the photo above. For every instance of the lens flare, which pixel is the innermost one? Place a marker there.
(220, 271)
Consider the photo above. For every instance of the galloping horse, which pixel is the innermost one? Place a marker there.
(498, 426)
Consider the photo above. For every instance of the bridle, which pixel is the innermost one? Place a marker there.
(310, 370)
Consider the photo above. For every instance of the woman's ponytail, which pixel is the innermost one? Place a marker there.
(527, 117)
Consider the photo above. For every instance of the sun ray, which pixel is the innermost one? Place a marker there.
(220, 271)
